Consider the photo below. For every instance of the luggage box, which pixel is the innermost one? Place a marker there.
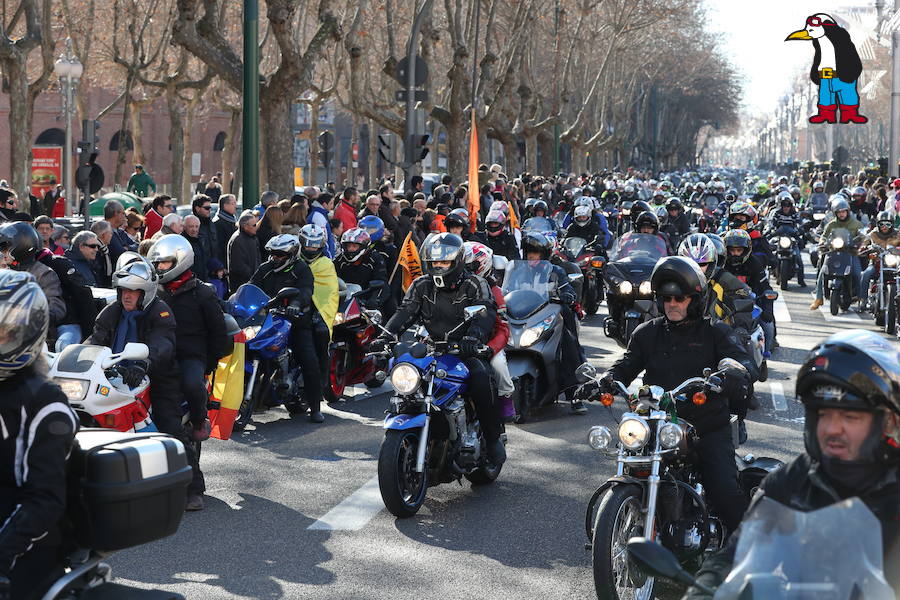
(125, 489)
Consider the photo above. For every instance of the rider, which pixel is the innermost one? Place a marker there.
(677, 217)
(284, 270)
(437, 300)
(359, 264)
(818, 200)
(457, 222)
(842, 220)
(584, 225)
(704, 249)
(499, 239)
(201, 338)
(679, 345)
(883, 235)
(749, 270)
(850, 388)
(37, 429)
(743, 216)
(648, 223)
(786, 220)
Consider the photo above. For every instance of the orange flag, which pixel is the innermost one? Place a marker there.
(409, 261)
(513, 219)
(473, 204)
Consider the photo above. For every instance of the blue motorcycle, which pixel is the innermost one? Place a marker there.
(271, 373)
(432, 433)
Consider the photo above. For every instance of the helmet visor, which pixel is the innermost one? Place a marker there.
(441, 252)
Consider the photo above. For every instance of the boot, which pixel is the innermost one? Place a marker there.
(827, 114)
(816, 304)
(194, 502)
(507, 409)
(849, 114)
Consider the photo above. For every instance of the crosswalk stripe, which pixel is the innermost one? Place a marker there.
(354, 511)
(781, 310)
(778, 399)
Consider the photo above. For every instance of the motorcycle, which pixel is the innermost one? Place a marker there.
(536, 329)
(354, 328)
(584, 255)
(656, 492)
(883, 299)
(784, 240)
(432, 433)
(785, 553)
(836, 263)
(627, 279)
(746, 322)
(272, 374)
(90, 378)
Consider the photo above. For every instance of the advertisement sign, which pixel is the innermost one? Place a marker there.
(46, 169)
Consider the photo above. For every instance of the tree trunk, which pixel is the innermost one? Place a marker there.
(21, 108)
(313, 143)
(546, 145)
(354, 143)
(531, 153)
(457, 150)
(187, 187)
(278, 150)
(137, 134)
(121, 154)
(373, 155)
(230, 148)
(511, 157)
(176, 140)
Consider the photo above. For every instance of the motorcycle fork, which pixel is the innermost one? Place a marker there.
(423, 440)
(652, 486)
(249, 393)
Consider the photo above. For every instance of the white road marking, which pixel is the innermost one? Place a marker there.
(351, 416)
(778, 399)
(354, 511)
(846, 317)
(781, 310)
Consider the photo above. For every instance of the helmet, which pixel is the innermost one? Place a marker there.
(665, 185)
(738, 238)
(359, 236)
(883, 219)
(852, 370)
(794, 191)
(675, 204)
(731, 195)
(135, 273)
(495, 207)
(24, 318)
(479, 258)
(680, 276)
(374, 226)
(22, 242)
(539, 205)
(283, 250)
(312, 242)
(858, 194)
(637, 208)
(701, 250)
(818, 186)
(662, 215)
(783, 180)
(444, 247)
(701, 186)
(534, 241)
(583, 215)
(721, 252)
(495, 223)
(463, 212)
(838, 204)
(172, 248)
(647, 218)
(584, 201)
(741, 215)
(785, 199)
(628, 190)
(719, 186)
(454, 219)
(762, 187)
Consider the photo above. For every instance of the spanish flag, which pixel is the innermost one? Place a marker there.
(227, 390)
(409, 261)
(473, 204)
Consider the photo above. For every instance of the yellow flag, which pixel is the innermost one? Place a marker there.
(409, 261)
(473, 204)
(513, 219)
(326, 290)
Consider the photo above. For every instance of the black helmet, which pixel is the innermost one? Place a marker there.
(738, 238)
(24, 318)
(786, 201)
(853, 370)
(455, 220)
(679, 276)
(647, 218)
(539, 205)
(731, 195)
(534, 241)
(637, 208)
(444, 247)
(675, 204)
(22, 242)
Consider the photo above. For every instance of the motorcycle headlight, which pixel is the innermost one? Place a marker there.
(891, 260)
(670, 436)
(599, 437)
(625, 287)
(74, 389)
(405, 378)
(784, 242)
(645, 288)
(837, 243)
(250, 332)
(533, 334)
(633, 433)
(338, 318)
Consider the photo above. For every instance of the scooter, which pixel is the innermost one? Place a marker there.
(787, 254)
(89, 377)
(354, 328)
(838, 271)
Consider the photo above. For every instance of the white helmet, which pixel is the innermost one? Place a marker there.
(136, 275)
(582, 214)
(479, 258)
(172, 248)
(283, 250)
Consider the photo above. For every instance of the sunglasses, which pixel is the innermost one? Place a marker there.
(817, 22)
(94, 246)
(676, 299)
(207, 207)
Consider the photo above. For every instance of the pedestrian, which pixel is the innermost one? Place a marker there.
(59, 240)
(134, 222)
(161, 206)
(9, 202)
(217, 274)
(83, 254)
(224, 224)
(318, 215)
(171, 223)
(373, 203)
(103, 263)
(244, 255)
(347, 207)
(294, 219)
(201, 206)
(417, 184)
(114, 214)
(269, 222)
(140, 183)
(51, 197)
(386, 192)
(44, 226)
(337, 230)
(192, 234)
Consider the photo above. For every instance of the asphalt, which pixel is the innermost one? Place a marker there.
(521, 537)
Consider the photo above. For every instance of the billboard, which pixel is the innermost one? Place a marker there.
(46, 169)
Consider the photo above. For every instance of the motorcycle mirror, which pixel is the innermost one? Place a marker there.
(500, 263)
(285, 293)
(586, 372)
(573, 277)
(474, 311)
(730, 364)
(134, 351)
(654, 559)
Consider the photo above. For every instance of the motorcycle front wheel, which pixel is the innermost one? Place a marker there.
(834, 302)
(402, 489)
(591, 299)
(619, 518)
(890, 319)
(337, 377)
(784, 275)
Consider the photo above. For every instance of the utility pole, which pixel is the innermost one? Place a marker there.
(250, 139)
(409, 147)
(556, 129)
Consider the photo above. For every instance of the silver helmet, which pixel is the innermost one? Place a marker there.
(312, 242)
(175, 249)
(24, 319)
(283, 250)
(136, 275)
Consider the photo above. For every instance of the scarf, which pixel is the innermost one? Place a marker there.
(224, 216)
(180, 281)
(127, 330)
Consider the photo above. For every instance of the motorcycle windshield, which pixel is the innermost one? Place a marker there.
(539, 224)
(574, 245)
(833, 553)
(245, 302)
(527, 286)
(785, 230)
(840, 234)
(639, 245)
(77, 358)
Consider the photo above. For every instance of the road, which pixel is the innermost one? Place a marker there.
(293, 509)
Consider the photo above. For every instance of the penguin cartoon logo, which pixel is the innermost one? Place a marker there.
(835, 69)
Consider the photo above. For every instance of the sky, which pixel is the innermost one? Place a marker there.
(753, 33)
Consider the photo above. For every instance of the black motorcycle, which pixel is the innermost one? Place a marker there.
(787, 254)
(627, 277)
(837, 259)
(591, 259)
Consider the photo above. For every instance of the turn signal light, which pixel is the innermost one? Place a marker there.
(597, 263)
(109, 421)
(606, 399)
(699, 399)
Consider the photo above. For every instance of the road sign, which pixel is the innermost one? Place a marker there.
(418, 95)
(420, 75)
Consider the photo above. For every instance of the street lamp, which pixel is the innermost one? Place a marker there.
(69, 70)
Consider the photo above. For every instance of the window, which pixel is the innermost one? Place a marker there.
(219, 143)
(51, 137)
(114, 142)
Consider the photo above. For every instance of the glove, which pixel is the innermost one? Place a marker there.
(294, 312)
(468, 346)
(133, 374)
(378, 345)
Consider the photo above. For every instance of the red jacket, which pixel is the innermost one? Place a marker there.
(500, 335)
(347, 214)
(152, 223)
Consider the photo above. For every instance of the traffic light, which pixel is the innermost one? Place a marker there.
(325, 157)
(90, 140)
(419, 144)
(883, 166)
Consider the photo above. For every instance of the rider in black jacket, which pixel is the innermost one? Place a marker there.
(850, 386)
(37, 429)
(499, 238)
(359, 264)
(437, 300)
(748, 268)
(680, 345)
